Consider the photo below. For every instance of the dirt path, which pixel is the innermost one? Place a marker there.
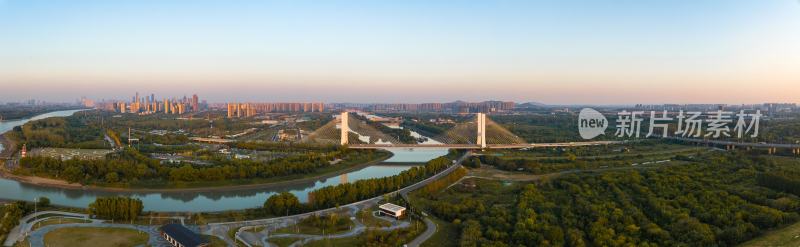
(41, 181)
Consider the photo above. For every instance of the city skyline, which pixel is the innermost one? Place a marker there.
(576, 52)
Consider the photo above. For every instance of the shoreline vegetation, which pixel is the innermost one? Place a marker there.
(277, 182)
(8, 147)
(267, 184)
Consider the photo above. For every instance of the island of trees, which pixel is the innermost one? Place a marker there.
(343, 194)
(130, 167)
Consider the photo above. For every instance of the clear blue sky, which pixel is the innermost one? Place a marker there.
(604, 52)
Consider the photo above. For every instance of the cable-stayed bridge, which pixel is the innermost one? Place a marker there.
(478, 133)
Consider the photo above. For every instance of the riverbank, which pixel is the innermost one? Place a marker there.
(283, 182)
(7, 147)
(16, 113)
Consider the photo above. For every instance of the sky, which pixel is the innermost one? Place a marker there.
(556, 52)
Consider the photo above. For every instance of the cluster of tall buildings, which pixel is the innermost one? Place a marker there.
(149, 105)
(452, 107)
(251, 109)
(85, 102)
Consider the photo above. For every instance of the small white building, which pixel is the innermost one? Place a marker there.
(392, 210)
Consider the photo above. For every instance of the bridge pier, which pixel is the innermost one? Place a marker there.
(772, 150)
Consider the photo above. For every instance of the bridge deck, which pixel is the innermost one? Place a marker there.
(568, 144)
(733, 143)
(488, 146)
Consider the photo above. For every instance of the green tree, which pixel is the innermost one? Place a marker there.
(282, 204)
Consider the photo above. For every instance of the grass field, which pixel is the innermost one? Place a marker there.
(445, 236)
(99, 237)
(334, 242)
(787, 236)
(283, 242)
(58, 220)
(365, 216)
(394, 238)
(215, 241)
(69, 153)
(303, 228)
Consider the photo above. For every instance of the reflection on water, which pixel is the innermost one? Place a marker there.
(193, 201)
(8, 125)
(402, 160)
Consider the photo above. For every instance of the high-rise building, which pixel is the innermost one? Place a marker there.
(232, 110)
(195, 105)
(167, 106)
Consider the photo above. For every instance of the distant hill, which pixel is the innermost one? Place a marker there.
(532, 105)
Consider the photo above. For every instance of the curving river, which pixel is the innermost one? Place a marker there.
(402, 160)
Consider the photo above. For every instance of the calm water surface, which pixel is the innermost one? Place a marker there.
(402, 160)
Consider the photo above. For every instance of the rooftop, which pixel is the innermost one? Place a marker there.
(183, 235)
(392, 207)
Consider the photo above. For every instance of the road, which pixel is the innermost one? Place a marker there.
(307, 238)
(221, 229)
(23, 228)
(430, 229)
(740, 144)
(154, 237)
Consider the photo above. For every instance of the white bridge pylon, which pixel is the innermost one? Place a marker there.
(481, 129)
(344, 128)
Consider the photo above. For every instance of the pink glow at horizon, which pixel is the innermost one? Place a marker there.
(717, 51)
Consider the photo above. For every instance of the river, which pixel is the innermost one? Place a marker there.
(402, 160)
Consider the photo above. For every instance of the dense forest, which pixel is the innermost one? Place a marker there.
(11, 213)
(130, 165)
(67, 132)
(786, 180)
(116, 208)
(542, 128)
(544, 161)
(715, 200)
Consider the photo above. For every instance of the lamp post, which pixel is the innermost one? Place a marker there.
(35, 208)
